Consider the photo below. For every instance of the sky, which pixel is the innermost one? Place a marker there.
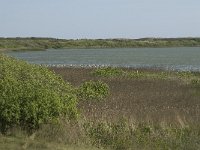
(94, 19)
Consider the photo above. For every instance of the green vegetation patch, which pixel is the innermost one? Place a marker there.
(196, 83)
(93, 91)
(118, 72)
(185, 74)
(123, 135)
(31, 95)
(108, 72)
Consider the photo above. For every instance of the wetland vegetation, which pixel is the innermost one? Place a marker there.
(97, 108)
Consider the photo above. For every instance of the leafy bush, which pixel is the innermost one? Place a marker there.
(31, 95)
(93, 90)
(108, 72)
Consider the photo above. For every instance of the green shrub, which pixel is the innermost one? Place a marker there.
(108, 72)
(31, 95)
(93, 91)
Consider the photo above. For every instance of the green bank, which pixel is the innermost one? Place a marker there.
(47, 43)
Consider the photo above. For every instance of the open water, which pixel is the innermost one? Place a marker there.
(184, 59)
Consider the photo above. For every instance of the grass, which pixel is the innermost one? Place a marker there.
(140, 99)
(94, 135)
(122, 135)
(16, 143)
(47, 43)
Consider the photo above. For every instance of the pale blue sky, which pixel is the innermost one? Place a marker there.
(99, 18)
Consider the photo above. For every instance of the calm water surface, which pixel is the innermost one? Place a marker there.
(187, 59)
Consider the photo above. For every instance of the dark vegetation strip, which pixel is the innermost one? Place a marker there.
(46, 43)
(111, 72)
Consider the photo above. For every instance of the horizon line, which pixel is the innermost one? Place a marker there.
(29, 37)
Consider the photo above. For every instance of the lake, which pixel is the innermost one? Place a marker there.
(184, 59)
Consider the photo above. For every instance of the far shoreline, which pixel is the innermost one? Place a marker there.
(28, 44)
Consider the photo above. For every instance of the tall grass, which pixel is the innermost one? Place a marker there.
(119, 135)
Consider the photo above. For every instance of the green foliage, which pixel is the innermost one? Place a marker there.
(31, 95)
(92, 90)
(108, 72)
